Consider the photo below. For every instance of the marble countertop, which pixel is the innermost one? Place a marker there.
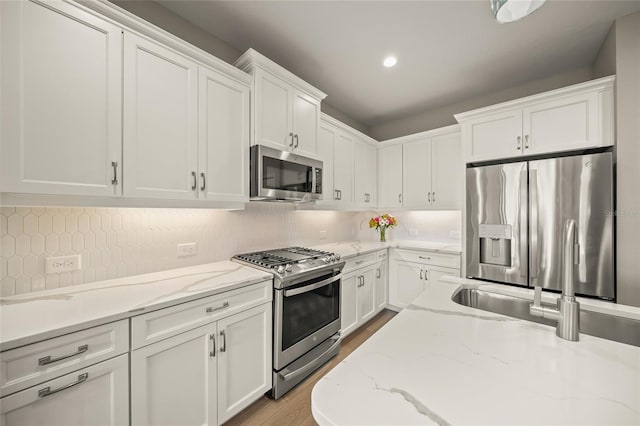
(348, 249)
(438, 362)
(42, 315)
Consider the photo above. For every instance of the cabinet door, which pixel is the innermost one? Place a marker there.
(366, 299)
(343, 169)
(447, 172)
(494, 136)
(244, 360)
(407, 283)
(365, 165)
(273, 111)
(390, 176)
(306, 123)
(562, 124)
(326, 142)
(173, 382)
(381, 287)
(223, 140)
(348, 303)
(61, 100)
(160, 121)
(434, 273)
(95, 395)
(416, 174)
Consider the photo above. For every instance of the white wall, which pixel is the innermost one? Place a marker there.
(443, 116)
(121, 242)
(627, 40)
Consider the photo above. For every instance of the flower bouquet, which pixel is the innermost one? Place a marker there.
(381, 223)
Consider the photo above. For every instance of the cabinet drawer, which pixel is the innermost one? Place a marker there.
(94, 395)
(429, 258)
(163, 323)
(38, 362)
(381, 255)
(359, 261)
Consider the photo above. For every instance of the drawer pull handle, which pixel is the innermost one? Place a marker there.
(423, 257)
(44, 392)
(359, 262)
(212, 353)
(223, 345)
(48, 360)
(224, 305)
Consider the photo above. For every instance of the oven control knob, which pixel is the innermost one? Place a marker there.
(332, 257)
(337, 257)
(288, 267)
(326, 259)
(281, 269)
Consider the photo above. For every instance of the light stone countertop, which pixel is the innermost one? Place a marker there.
(438, 362)
(348, 249)
(32, 317)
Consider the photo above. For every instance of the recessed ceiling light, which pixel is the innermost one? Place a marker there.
(390, 61)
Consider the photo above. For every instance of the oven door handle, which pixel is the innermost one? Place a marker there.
(311, 287)
(292, 375)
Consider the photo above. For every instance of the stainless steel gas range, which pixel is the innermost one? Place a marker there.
(306, 310)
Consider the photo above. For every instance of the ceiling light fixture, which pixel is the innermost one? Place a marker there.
(513, 10)
(390, 61)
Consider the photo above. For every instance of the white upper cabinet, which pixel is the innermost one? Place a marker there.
(390, 176)
(366, 161)
(575, 117)
(223, 140)
(272, 104)
(343, 170)
(61, 100)
(422, 171)
(160, 121)
(285, 109)
(446, 172)
(416, 174)
(561, 124)
(306, 123)
(326, 144)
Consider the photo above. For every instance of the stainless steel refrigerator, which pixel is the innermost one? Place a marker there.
(515, 219)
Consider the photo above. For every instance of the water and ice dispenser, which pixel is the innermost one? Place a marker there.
(495, 244)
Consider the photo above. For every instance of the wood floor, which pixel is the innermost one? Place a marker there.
(295, 407)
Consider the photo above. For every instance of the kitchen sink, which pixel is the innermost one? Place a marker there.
(619, 329)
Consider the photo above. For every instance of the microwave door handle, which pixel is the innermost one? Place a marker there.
(311, 287)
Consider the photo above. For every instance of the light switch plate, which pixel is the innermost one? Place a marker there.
(55, 265)
(187, 249)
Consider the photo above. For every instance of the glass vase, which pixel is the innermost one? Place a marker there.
(383, 235)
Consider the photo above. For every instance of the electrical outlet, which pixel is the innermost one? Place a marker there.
(323, 234)
(54, 265)
(187, 249)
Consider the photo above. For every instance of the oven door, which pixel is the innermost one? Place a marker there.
(284, 175)
(305, 315)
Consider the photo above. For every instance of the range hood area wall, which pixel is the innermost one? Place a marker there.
(120, 242)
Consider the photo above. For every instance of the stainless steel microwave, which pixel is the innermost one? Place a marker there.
(282, 175)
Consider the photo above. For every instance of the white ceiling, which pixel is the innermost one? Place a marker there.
(447, 51)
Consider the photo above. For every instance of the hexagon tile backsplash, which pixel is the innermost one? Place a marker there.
(119, 242)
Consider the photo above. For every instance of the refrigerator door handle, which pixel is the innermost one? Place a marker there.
(533, 191)
(522, 225)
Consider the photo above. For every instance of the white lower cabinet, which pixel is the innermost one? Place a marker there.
(411, 271)
(95, 395)
(203, 376)
(244, 360)
(363, 292)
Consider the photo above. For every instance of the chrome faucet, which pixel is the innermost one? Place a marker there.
(567, 313)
